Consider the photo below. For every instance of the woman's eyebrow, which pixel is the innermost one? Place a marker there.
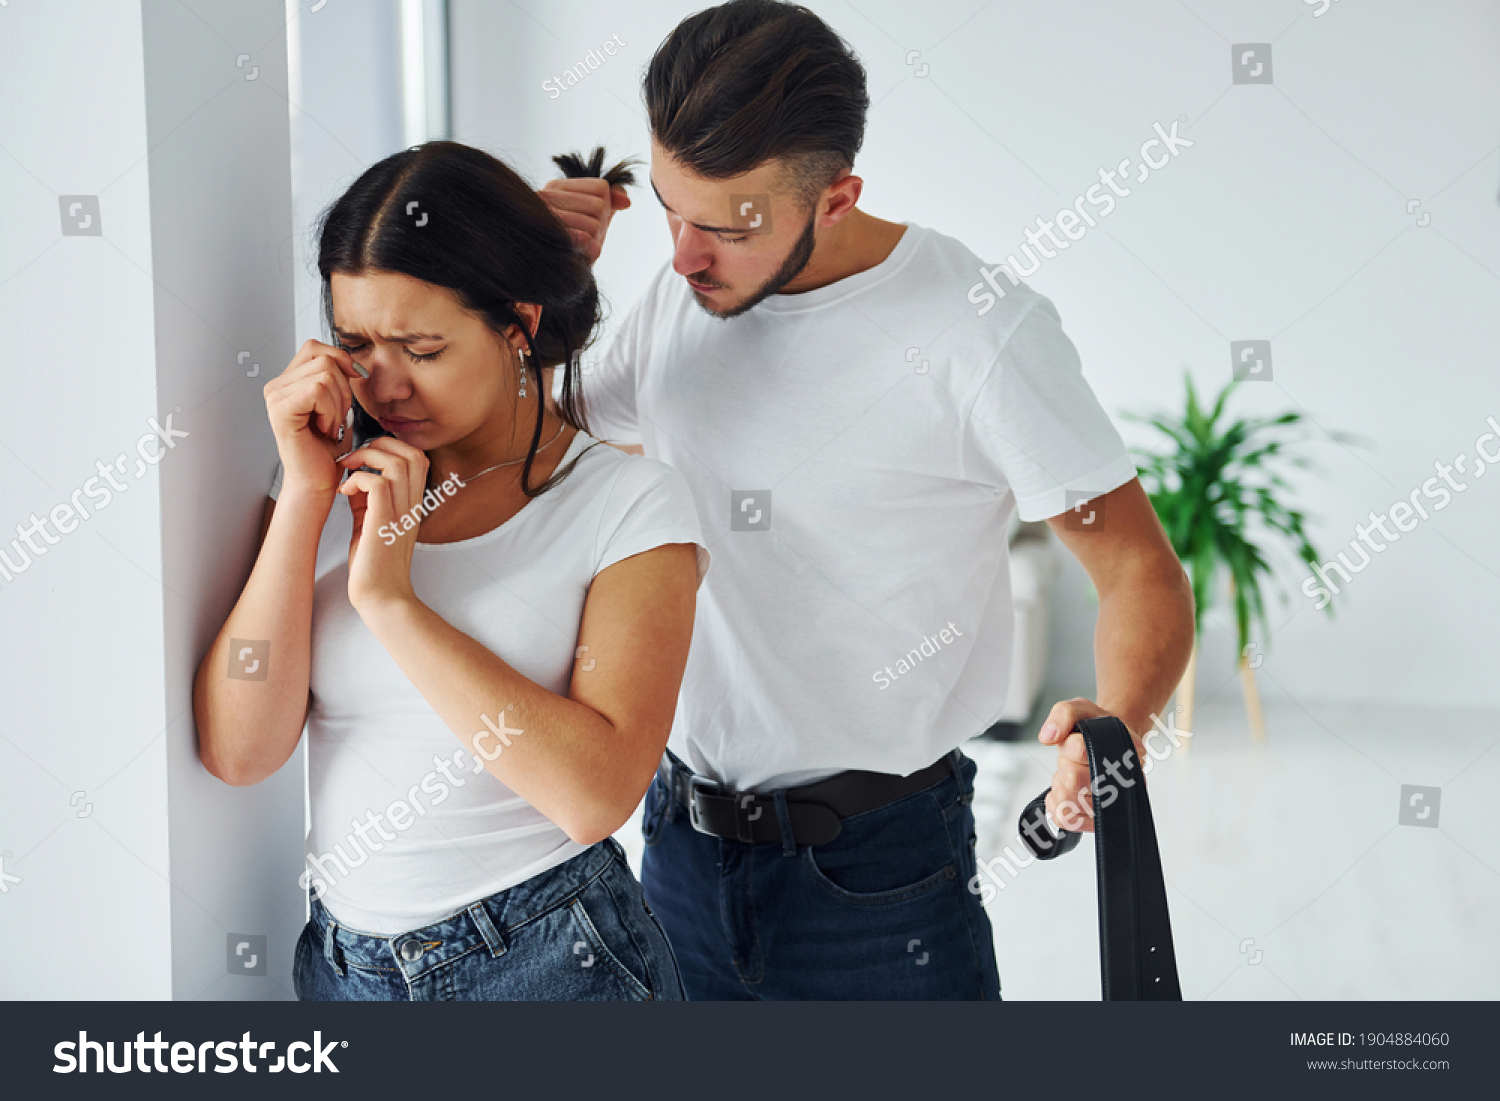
(392, 338)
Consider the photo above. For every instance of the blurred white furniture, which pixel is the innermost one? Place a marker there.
(1033, 565)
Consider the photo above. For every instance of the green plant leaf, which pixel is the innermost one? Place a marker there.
(1215, 485)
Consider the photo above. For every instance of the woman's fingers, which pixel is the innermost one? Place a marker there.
(328, 407)
(311, 349)
(329, 365)
(338, 371)
(308, 406)
(399, 464)
(315, 357)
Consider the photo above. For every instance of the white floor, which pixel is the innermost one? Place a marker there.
(1288, 876)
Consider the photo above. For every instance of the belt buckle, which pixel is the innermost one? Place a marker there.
(696, 784)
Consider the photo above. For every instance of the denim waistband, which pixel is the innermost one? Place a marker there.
(483, 924)
(672, 765)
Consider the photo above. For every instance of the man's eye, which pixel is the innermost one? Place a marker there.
(734, 240)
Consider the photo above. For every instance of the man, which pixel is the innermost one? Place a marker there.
(856, 436)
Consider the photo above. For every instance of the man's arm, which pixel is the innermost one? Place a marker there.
(1142, 641)
(586, 206)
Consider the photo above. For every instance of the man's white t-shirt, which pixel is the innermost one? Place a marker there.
(855, 452)
(407, 826)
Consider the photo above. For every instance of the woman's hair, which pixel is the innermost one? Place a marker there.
(735, 86)
(457, 217)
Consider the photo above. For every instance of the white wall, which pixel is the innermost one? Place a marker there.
(121, 841)
(1286, 220)
(81, 628)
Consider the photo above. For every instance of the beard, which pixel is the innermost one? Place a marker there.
(790, 268)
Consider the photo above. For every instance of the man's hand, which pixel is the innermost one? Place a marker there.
(585, 206)
(1070, 803)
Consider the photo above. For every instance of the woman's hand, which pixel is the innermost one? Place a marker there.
(307, 405)
(380, 565)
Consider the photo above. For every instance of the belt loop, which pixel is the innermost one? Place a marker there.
(330, 947)
(965, 789)
(487, 930)
(671, 763)
(784, 820)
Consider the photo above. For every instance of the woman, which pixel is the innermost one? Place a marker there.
(484, 626)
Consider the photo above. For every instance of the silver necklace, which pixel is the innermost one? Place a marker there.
(513, 462)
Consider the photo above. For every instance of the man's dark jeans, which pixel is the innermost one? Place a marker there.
(881, 912)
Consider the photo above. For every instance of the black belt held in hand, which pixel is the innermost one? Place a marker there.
(817, 810)
(1137, 962)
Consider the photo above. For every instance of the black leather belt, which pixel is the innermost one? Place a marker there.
(817, 810)
(1136, 958)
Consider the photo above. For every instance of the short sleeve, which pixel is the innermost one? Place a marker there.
(275, 489)
(649, 505)
(1036, 426)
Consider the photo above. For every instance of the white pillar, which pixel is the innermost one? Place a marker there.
(145, 271)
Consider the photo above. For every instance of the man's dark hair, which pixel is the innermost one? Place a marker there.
(736, 85)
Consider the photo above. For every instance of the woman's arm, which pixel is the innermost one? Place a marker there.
(248, 728)
(585, 759)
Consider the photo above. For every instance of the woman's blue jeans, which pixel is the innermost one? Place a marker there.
(883, 911)
(578, 932)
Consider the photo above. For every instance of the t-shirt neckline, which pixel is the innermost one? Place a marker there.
(838, 290)
(508, 524)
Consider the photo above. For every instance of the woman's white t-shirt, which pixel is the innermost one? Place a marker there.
(407, 826)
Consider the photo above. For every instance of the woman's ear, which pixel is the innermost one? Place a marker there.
(531, 313)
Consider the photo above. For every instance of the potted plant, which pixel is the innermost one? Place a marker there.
(1213, 489)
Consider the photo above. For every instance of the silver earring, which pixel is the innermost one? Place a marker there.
(521, 352)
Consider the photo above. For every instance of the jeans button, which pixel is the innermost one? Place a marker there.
(412, 950)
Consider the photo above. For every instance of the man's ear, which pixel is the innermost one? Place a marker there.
(839, 198)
